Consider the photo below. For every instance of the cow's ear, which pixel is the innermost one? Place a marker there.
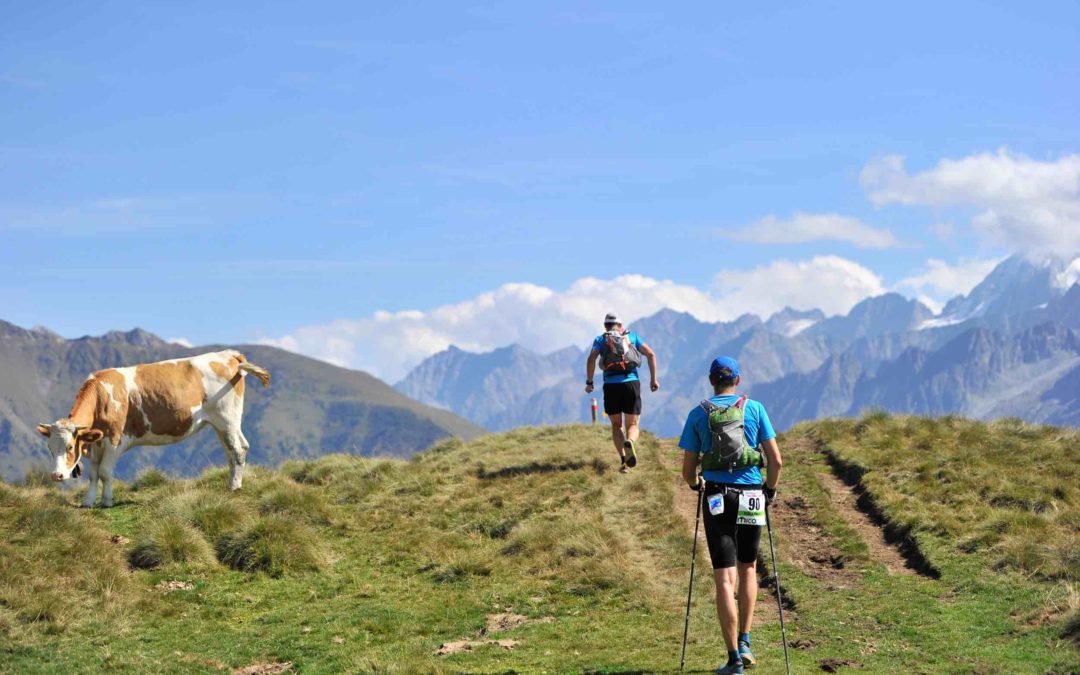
(44, 430)
(90, 435)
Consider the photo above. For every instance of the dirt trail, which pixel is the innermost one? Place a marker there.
(844, 501)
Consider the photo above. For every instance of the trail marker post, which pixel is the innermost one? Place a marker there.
(594, 408)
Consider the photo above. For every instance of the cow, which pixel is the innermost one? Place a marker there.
(152, 404)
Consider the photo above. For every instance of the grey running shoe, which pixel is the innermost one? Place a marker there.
(746, 655)
(731, 668)
(631, 458)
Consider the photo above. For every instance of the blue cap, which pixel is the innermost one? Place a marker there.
(725, 362)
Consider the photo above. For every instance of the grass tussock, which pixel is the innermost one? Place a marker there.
(299, 501)
(59, 570)
(212, 512)
(274, 544)
(148, 480)
(170, 541)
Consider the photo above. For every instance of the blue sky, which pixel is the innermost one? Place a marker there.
(227, 172)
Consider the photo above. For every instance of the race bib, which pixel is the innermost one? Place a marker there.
(716, 504)
(751, 508)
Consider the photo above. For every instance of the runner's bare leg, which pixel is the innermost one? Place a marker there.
(632, 426)
(748, 587)
(726, 608)
(617, 436)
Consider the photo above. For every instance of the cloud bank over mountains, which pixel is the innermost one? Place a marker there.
(388, 344)
(1021, 205)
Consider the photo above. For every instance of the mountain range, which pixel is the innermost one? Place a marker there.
(1010, 347)
(310, 409)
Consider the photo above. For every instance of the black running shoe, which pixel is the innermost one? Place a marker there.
(731, 668)
(631, 458)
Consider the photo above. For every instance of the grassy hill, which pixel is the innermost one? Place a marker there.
(528, 552)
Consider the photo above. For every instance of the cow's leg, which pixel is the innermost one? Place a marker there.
(236, 451)
(108, 464)
(92, 476)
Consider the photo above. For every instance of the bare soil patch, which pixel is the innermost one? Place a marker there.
(170, 586)
(264, 669)
(833, 665)
(496, 623)
(459, 646)
(806, 545)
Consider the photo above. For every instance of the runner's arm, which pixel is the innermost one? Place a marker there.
(689, 468)
(650, 355)
(590, 368)
(775, 463)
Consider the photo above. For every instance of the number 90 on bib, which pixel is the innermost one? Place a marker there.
(751, 508)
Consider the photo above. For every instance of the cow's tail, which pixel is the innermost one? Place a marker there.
(246, 366)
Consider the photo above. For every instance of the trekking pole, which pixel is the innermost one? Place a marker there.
(779, 598)
(689, 593)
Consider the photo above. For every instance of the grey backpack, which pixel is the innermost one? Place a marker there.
(617, 354)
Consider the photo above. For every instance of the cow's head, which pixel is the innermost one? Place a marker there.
(67, 444)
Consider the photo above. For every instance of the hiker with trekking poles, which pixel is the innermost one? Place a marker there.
(619, 353)
(730, 438)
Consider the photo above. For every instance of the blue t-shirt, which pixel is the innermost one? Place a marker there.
(616, 378)
(756, 428)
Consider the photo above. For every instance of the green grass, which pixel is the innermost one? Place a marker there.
(346, 564)
(941, 483)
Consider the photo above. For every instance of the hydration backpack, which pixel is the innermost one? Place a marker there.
(617, 354)
(729, 450)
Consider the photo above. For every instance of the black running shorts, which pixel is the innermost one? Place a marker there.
(729, 542)
(623, 398)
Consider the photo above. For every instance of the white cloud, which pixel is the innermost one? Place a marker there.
(390, 343)
(1024, 204)
(829, 283)
(941, 281)
(804, 227)
(183, 342)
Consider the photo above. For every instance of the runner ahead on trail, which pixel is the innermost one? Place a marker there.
(730, 437)
(620, 355)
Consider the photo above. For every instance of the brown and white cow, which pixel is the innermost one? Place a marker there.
(152, 404)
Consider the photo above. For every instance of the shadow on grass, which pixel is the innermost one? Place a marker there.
(533, 468)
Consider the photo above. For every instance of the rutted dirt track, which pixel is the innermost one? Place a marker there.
(843, 499)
